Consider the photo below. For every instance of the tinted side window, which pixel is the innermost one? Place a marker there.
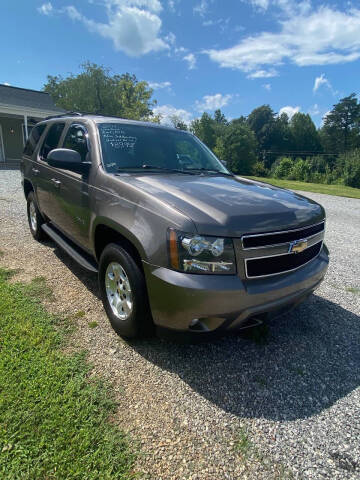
(33, 139)
(76, 140)
(52, 139)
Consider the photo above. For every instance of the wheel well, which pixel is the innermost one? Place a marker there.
(27, 188)
(105, 235)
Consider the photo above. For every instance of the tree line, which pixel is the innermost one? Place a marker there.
(266, 144)
(262, 144)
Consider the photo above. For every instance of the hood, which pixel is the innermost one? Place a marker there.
(231, 206)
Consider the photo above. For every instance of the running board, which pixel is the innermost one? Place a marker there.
(72, 250)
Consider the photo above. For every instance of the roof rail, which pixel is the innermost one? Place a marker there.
(66, 114)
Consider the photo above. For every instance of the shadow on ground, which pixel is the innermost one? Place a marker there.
(89, 279)
(307, 360)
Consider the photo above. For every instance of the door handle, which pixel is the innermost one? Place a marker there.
(35, 171)
(57, 183)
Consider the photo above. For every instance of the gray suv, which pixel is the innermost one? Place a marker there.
(177, 240)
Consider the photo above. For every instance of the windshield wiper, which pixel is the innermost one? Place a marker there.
(154, 167)
(210, 170)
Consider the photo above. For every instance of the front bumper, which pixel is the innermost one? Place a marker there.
(224, 302)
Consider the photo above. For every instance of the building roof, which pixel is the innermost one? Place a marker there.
(23, 97)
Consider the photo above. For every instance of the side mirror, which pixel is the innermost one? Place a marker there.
(64, 158)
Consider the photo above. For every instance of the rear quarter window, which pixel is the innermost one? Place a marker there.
(33, 139)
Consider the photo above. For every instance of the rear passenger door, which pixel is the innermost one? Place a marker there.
(29, 166)
(73, 207)
(46, 186)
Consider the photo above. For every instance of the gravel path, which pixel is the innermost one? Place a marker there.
(232, 408)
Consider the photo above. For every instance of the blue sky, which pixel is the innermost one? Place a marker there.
(197, 55)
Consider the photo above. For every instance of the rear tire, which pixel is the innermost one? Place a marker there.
(35, 218)
(123, 292)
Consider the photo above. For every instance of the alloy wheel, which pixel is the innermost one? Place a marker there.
(118, 291)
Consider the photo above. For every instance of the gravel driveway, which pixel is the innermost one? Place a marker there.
(288, 407)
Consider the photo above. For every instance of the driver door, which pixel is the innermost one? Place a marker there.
(73, 193)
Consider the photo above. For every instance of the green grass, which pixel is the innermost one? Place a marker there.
(338, 190)
(93, 324)
(38, 289)
(54, 419)
(243, 445)
(354, 290)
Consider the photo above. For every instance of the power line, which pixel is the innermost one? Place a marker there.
(298, 152)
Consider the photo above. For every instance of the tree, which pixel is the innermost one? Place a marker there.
(177, 122)
(220, 118)
(261, 120)
(238, 148)
(241, 120)
(281, 134)
(94, 90)
(340, 132)
(305, 137)
(204, 129)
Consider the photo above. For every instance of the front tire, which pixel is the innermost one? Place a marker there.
(123, 292)
(35, 218)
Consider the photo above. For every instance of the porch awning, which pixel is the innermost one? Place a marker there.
(28, 111)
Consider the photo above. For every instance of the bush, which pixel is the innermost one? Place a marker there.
(259, 169)
(319, 169)
(351, 163)
(281, 167)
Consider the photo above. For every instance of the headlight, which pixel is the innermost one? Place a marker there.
(201, 254)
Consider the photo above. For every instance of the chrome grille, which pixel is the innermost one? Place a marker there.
(274, 253)
(274, 238)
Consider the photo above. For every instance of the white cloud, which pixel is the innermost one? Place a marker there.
(7, 84)
(133, 25)
(202, 7)
(172, 5)
(285, 6)
(321, 37)
(167, 111)
(46, 9)
(152, 5)
(159, 85)
(212, 102)
(211, 23)
(180, 50)
(314, 110)
(290, 111)
(191, 59)
(264, 73)
(74, 14)
(170, 38)
(322, 80)
(324, 117)
(262, 4)
(267, 87)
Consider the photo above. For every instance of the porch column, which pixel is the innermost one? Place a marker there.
(26, 127)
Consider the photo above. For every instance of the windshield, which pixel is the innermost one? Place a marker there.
(131, 147)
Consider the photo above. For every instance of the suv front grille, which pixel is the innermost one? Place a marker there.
(275, 253)
(261, 267)
(263, 239)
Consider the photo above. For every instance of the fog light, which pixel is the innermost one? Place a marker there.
(211, 267)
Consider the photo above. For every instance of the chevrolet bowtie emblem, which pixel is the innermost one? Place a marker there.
(298, 246)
